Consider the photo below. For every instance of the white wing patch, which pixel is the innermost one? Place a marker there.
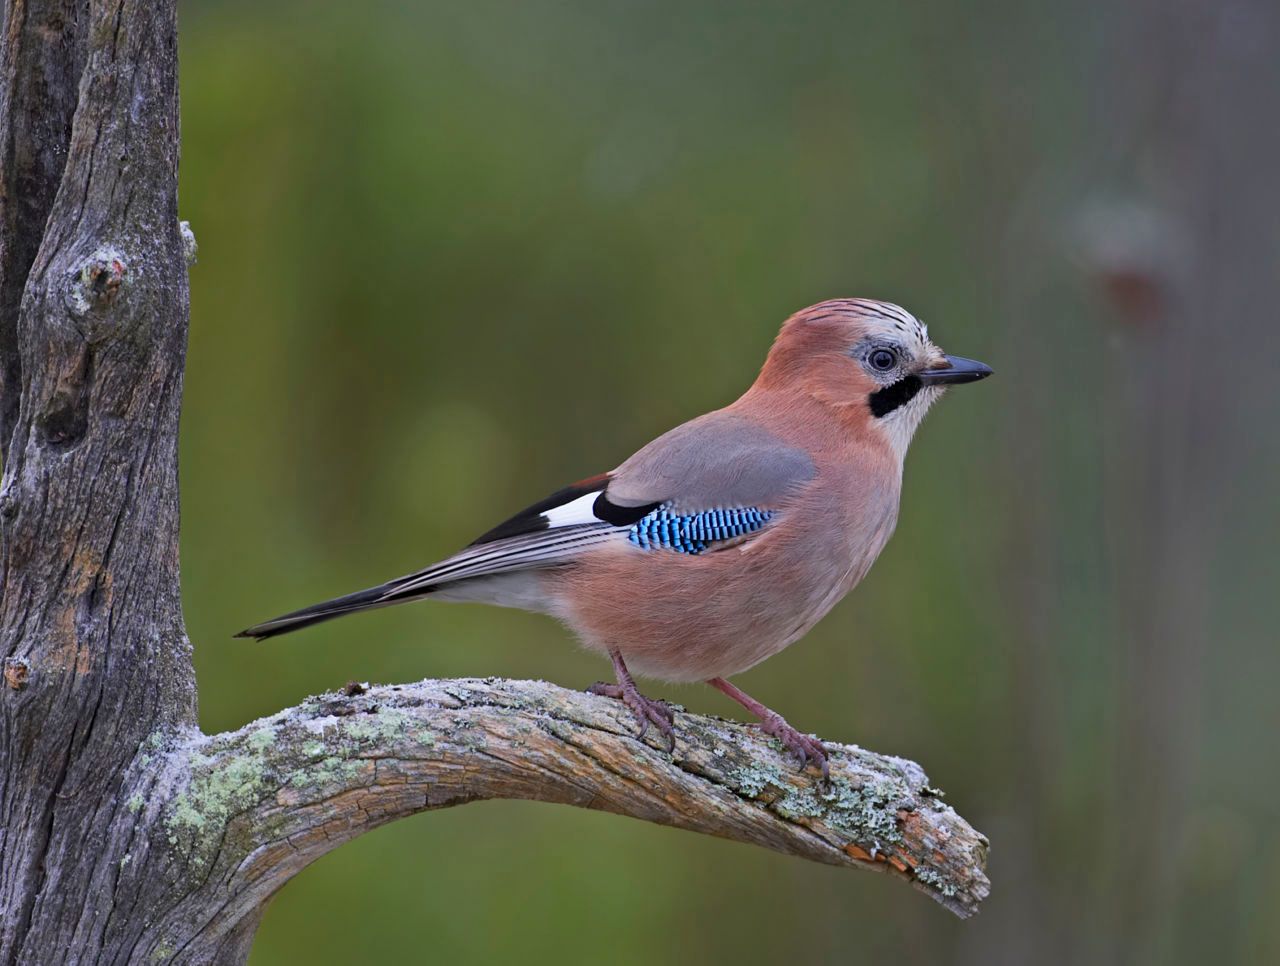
(574, 512)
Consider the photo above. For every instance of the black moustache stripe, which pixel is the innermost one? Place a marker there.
(886, 400)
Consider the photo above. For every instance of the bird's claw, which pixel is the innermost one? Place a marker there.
(804, 747)
(647, 711)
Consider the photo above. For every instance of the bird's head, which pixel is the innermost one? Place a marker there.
(872, 359)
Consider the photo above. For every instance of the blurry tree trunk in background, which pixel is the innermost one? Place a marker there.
(1194, 149)
(125, 834)
(1173, 215)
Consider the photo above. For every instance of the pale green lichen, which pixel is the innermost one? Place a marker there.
(219, 788)
(865, 813)
(151, 744)
(381, 726)
(260, 740)
(799, 803)
(135, 803)
(869, 810)
(753, 780)
(936, 880)
(327, 771)
(357, 735)
(231, 775)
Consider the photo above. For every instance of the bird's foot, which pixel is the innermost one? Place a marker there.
(803, 746)
(647, 711)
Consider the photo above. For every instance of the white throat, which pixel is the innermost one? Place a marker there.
(898, 427)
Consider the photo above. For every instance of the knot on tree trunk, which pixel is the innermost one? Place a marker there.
(96, 283)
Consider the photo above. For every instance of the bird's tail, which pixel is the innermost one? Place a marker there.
(384, 595)
(450, 579)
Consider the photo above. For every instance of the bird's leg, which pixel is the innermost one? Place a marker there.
(647, 711)
(772, 723)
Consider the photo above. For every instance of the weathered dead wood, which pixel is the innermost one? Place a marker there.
(126, 835)
(246, 811)
(91, 631)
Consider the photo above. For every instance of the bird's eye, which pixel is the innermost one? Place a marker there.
(882, 359)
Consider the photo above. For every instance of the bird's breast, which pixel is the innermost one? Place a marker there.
(686, 617)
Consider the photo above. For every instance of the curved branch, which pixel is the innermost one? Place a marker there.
(249, 809)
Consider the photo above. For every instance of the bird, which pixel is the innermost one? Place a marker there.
(726, 539)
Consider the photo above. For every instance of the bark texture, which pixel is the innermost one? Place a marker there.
(125, 834)
(96, 658)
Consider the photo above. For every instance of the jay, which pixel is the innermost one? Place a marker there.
(726, 539)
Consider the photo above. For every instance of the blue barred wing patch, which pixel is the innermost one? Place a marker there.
(695, 532)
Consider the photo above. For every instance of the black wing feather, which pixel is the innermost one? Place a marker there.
(531, 519)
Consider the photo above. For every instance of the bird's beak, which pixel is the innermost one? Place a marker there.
(957, 370)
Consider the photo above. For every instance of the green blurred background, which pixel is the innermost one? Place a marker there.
(455, 255)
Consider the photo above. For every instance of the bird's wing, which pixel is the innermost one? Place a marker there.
(549, 532)
(708, 483)
(714, 479)
(705, 485)
(720, 460)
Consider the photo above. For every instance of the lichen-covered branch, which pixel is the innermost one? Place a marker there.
(248, 809)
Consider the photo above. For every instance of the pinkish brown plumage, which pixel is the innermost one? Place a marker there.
(728, 538)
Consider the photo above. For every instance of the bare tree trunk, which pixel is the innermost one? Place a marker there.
(95, 651)
(125, 834)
